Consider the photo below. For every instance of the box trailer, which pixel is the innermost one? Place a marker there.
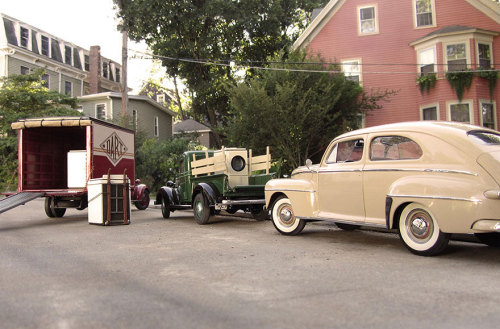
(58, 156)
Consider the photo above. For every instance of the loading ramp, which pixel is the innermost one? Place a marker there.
(18, 199)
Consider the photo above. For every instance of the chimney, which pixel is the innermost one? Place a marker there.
(95, 70)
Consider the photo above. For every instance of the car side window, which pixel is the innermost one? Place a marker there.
(394, 148)
(348, 151)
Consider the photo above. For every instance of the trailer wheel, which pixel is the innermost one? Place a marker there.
(51, 210)
(48, 210)
(143, 203)
(201, 209)
(59, 212)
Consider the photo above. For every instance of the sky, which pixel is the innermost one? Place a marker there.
(83, 23)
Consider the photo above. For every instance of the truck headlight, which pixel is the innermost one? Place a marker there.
(238, 163)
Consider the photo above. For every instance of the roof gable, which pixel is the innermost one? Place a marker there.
(487, 7)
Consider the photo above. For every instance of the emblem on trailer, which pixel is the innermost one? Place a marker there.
(114, 148)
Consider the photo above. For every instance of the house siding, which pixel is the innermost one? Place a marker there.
(56, 81)
(146, 116)
(146, 113)
(339, 40)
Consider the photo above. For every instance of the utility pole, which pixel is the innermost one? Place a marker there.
(124, 72)
(124, 86)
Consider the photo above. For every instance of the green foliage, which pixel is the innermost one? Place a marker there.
(296, 113)
(154, 159)
(8, 161)
(214, 30)
(459, 81)
(426, 82)
(23, 96)
(492, 77)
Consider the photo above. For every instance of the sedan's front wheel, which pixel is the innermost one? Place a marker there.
(420, 232)
(284, 218)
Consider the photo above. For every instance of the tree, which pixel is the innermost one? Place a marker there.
(23, 96)
(218, 31)
(296, 113)
(157, 161)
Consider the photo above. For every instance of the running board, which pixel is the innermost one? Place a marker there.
(18, 199)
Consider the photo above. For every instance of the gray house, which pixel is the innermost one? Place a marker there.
(147, 116)
(190, 126)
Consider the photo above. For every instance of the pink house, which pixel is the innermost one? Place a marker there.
(387, 44)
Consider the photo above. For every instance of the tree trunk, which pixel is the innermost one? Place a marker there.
(181, 112)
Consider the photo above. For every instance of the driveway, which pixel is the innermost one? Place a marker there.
(232, 273)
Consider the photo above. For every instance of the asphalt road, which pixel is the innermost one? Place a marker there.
(232, 273)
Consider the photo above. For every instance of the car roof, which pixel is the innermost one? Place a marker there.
(442, 129)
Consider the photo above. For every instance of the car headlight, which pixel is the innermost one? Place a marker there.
(238, 163)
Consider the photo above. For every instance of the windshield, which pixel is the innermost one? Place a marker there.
(485, 137)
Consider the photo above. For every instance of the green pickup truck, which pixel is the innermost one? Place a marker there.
(229, 179)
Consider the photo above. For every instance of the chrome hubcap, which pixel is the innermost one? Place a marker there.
(420, 225)
(286, 215)
(199, 208)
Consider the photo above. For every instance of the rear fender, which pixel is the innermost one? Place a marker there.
(138, 191)
(452, 199)
(210, 192)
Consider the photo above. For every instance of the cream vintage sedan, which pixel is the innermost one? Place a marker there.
(425, 179)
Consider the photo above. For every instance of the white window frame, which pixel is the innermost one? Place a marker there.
(490, 44)
(24, 68)
(160, 98)
(28, 41)
(70, 54)
(419, 61)
(487, 101)
(135, 115)
(105, 73)
(415, 20)
(86, 55)
(375, 8)
(427, 106)
(156, 127)
(41, 46)
(71, 87)
(346, 68)
(118, 74)
(105, 108)
(454, 42)
(456, 102)
(46, 80)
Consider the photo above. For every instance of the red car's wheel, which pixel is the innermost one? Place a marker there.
(144, 202)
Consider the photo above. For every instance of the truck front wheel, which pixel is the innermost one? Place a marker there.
(165, 208)
(201, 209)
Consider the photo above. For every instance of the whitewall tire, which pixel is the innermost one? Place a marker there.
(420, 232)
(284, 218)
